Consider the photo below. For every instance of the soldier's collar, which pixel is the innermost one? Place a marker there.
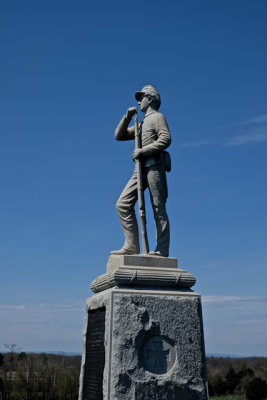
(151, 112)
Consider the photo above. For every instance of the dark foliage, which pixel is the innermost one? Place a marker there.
(39, 376)
(1, 359)
(56, 377)
(256, 389)
(218, 385)
(220, 365)
(234, 376)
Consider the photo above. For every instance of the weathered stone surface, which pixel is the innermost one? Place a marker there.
(154, 347)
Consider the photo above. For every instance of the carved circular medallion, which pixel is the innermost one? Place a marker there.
(158, 355)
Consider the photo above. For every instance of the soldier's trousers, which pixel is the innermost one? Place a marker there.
(154, 178)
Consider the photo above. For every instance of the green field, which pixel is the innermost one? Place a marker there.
(226, 398)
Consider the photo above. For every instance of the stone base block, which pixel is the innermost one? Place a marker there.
(143, 344)
(140, 260)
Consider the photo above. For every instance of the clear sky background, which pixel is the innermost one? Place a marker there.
(68, 72)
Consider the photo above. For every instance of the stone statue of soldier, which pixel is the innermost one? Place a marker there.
(155, 138)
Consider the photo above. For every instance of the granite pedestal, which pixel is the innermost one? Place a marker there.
(143, 338)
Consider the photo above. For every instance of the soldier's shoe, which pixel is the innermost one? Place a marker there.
(123, 252)
(157, 253)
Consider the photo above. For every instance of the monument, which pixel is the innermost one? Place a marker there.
(143, 337)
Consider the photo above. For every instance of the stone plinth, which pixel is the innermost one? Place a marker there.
(140, 260)
(142, 270)
(143, 342)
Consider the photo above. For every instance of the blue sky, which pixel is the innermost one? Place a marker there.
(68, 72)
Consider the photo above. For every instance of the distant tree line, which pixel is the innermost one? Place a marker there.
(43, 376)
(228, 376)
(38, 376)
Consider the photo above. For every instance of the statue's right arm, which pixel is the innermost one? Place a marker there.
(123, 132)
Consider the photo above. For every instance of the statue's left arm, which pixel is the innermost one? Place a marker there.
(163, 137)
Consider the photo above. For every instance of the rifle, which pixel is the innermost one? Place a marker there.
(140, 190)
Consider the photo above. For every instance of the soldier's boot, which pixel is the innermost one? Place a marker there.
(124, 251)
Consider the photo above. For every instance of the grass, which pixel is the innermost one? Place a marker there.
(227, 398)
(224, 398)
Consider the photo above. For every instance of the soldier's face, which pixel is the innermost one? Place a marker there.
(144, 103)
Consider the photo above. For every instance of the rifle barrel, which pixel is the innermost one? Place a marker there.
(140, 191)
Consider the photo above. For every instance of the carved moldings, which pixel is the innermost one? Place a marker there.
(143, 270)
(142, 276)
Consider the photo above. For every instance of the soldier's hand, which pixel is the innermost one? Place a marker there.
(130, 112)
(137, 154)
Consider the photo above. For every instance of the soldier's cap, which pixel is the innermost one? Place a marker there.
(150, 90)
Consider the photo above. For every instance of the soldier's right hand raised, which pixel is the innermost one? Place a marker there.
(130, 112)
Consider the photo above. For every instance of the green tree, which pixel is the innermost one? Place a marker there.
(245, 375)
(232, 379)
(256, 389)
(245, 372)
(210, 388)
(22, 355)
(219, 385)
